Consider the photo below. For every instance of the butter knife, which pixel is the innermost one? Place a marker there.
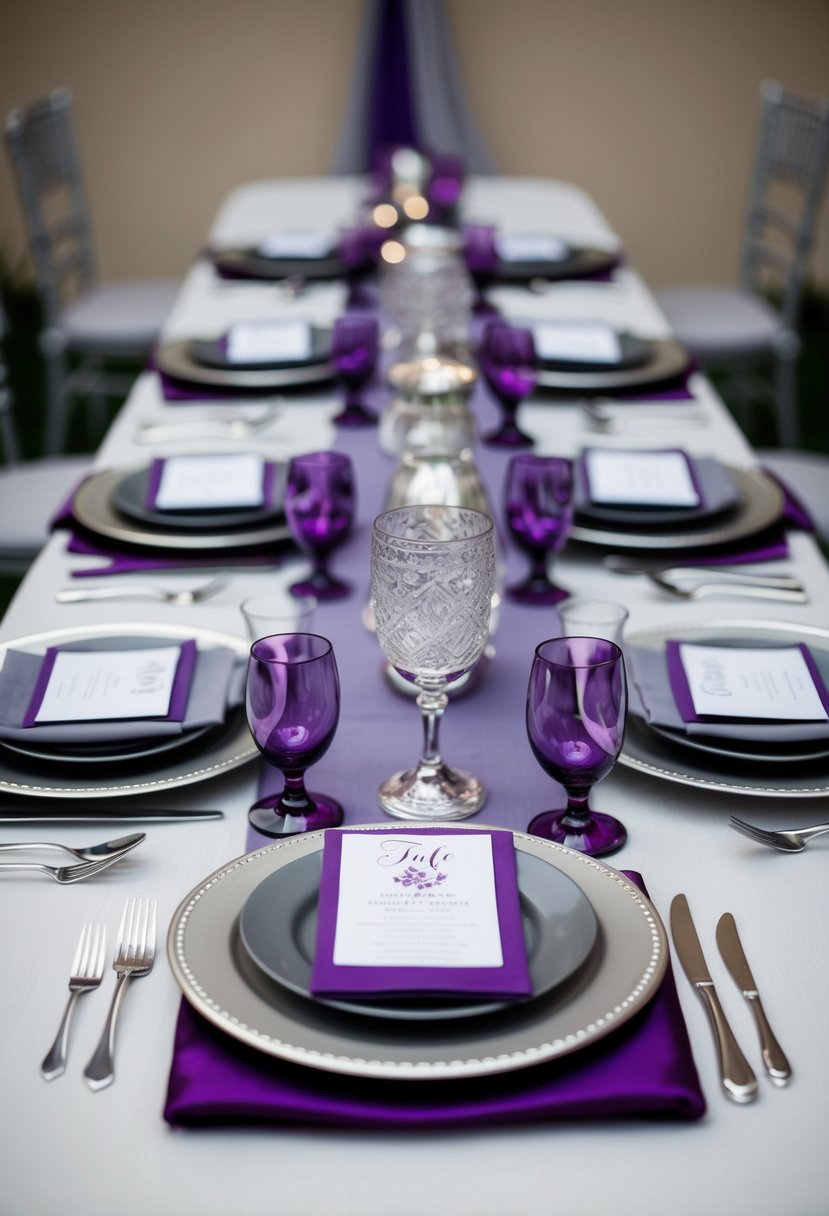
(731, 949)
(738, 1081)
(144, 815)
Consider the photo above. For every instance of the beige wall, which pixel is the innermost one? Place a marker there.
(651, 105)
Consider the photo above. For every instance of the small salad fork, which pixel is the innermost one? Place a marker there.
(793, 841)
(87, 973)
(134, 955)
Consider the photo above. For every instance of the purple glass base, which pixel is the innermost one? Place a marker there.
(356, 416)
(536, 591)
(321, 586)
(598, 836)
(508, 436)
(266, 818)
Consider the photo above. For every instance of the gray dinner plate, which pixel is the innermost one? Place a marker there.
(246, 262)
(760, 505)
(94, 508)
(176, 359)
(215, 974)
(667, 360)
(580, 262)
(633, 352)
(130, 497)
(212, 352)
(278, 928)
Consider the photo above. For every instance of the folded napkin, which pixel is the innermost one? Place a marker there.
(652, 697)
(644, 1069)
(218, 678)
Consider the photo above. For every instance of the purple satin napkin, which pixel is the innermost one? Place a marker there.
(645, 1069)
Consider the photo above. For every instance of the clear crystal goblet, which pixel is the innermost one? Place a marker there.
(432, 581)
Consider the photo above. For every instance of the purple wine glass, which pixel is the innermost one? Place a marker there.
(354, 346)
(507, 359)
(539, 510)
(481, 257)
(576, 712)
(319, 506)
(293, 706)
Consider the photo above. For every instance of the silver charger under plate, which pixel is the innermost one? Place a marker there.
(216, 976)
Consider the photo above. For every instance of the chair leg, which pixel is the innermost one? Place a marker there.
(786, 402)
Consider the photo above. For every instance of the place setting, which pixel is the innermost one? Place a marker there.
(111, 710)
(251, 358)
(731, 704)
(296, 255)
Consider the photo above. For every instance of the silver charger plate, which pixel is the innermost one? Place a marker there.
(645, 750)
(176, 359)
(212, 969)
(278, 928)
(760, 505)
(94, 508)
(230, 745)
(668, 360)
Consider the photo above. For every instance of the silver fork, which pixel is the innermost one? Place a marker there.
(87, 973)
(134, 955)
(793, 841)
(141, 591)
(711, 585)
(64, 874)
(210, 428)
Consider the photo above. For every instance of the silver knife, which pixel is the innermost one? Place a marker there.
(731, 949)
(145, 815)
(738, 1081)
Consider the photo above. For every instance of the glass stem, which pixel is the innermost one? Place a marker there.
(294, 800)
(538, 566)
(431, 705)
(578, 813)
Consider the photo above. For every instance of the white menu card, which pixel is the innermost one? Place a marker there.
(752, 682)
(417, 903)
(204, 482)
(87, 685)
(269, 342)
(298, 243)
(658, 478)
(530, 247)
(577, 342)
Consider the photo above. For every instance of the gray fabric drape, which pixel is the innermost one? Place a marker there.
(442, 118)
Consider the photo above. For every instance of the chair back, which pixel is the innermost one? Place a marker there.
(789, 178)
(44, 153)
(9, 446)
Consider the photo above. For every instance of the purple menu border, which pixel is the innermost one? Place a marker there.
(179, 693)
(681, 689)
(511, 979)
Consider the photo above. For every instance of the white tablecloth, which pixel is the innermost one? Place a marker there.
(66, 1149)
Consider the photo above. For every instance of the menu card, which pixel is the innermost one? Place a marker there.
(644, 479)
(204, 483)
(299, 243)
(268, 342)
(425, 911)
(530, 247)
(780, 683)
(86, 686)
(577, 342)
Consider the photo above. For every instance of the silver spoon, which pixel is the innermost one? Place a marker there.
(95, 852)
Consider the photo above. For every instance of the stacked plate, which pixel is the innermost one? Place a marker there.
(573, 262)
(735, 504)
(204, 363)
(744, 761)
(122, 758)
(241, 946)
(113, 504)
